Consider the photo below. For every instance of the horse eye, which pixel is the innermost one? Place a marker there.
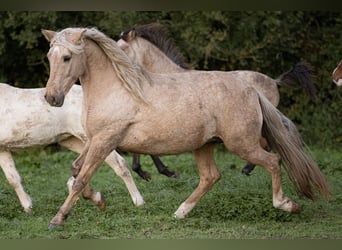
(66, 58)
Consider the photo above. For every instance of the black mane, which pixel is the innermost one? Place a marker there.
(160, 37)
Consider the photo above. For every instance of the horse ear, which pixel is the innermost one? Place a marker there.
(49, 34)
(77, 37)
(131, 35)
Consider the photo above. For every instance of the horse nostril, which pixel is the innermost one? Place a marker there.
(51, 100)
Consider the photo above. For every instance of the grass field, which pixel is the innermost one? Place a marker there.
(238, 207)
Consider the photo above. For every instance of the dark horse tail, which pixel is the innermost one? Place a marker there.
(300, 75)
(284, 138)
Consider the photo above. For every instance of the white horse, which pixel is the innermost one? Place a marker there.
(28, 121)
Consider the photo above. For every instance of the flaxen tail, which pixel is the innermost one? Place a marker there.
(301, 75)
(284, 138)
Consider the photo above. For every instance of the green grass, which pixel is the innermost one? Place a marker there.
(238, 207)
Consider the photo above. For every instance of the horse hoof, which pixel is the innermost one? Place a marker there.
(246, 172)
(174, 175)
(145, 175)
(54, 226)
(178, 216)
(28, 210)
(295, 208)
(102, 203)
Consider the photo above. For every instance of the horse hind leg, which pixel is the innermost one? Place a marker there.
(162, 169)
(271, 162)
(249, 167)
(13, 177)
(209, 175)
(136, 166)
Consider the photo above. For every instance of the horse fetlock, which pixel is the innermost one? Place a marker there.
(70, 183)
(78, 185)
(183, 210)
(27, 204)
(138, 200)
(287, 205)
(101, 201)
(58, 220)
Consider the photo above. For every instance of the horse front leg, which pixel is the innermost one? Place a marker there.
(119, 165)
(88, 193)
(209, 175)
(8, 166)
(97, 152)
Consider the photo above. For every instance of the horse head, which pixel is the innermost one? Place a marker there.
(67, 63)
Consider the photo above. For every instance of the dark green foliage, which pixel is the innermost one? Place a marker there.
(266, 41)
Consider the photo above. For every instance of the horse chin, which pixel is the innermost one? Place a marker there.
(56, 101)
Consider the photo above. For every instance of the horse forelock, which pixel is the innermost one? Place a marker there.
(60, 39)
(160, 37)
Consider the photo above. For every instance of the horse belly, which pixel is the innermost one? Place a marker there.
(27, 129)
(166, 137)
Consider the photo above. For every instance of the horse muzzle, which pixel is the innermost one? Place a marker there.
(56, 101)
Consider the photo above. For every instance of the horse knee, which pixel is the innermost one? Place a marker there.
(78, 185)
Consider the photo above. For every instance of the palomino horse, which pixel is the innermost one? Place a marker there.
(151, 46)
(128, 108)
(28, 121)
(337, 74)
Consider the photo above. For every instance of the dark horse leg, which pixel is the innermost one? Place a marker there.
(162, 169)
(249, 167)
(137, 168)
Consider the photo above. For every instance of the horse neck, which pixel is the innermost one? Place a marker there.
(152, 58)
(100, 75)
